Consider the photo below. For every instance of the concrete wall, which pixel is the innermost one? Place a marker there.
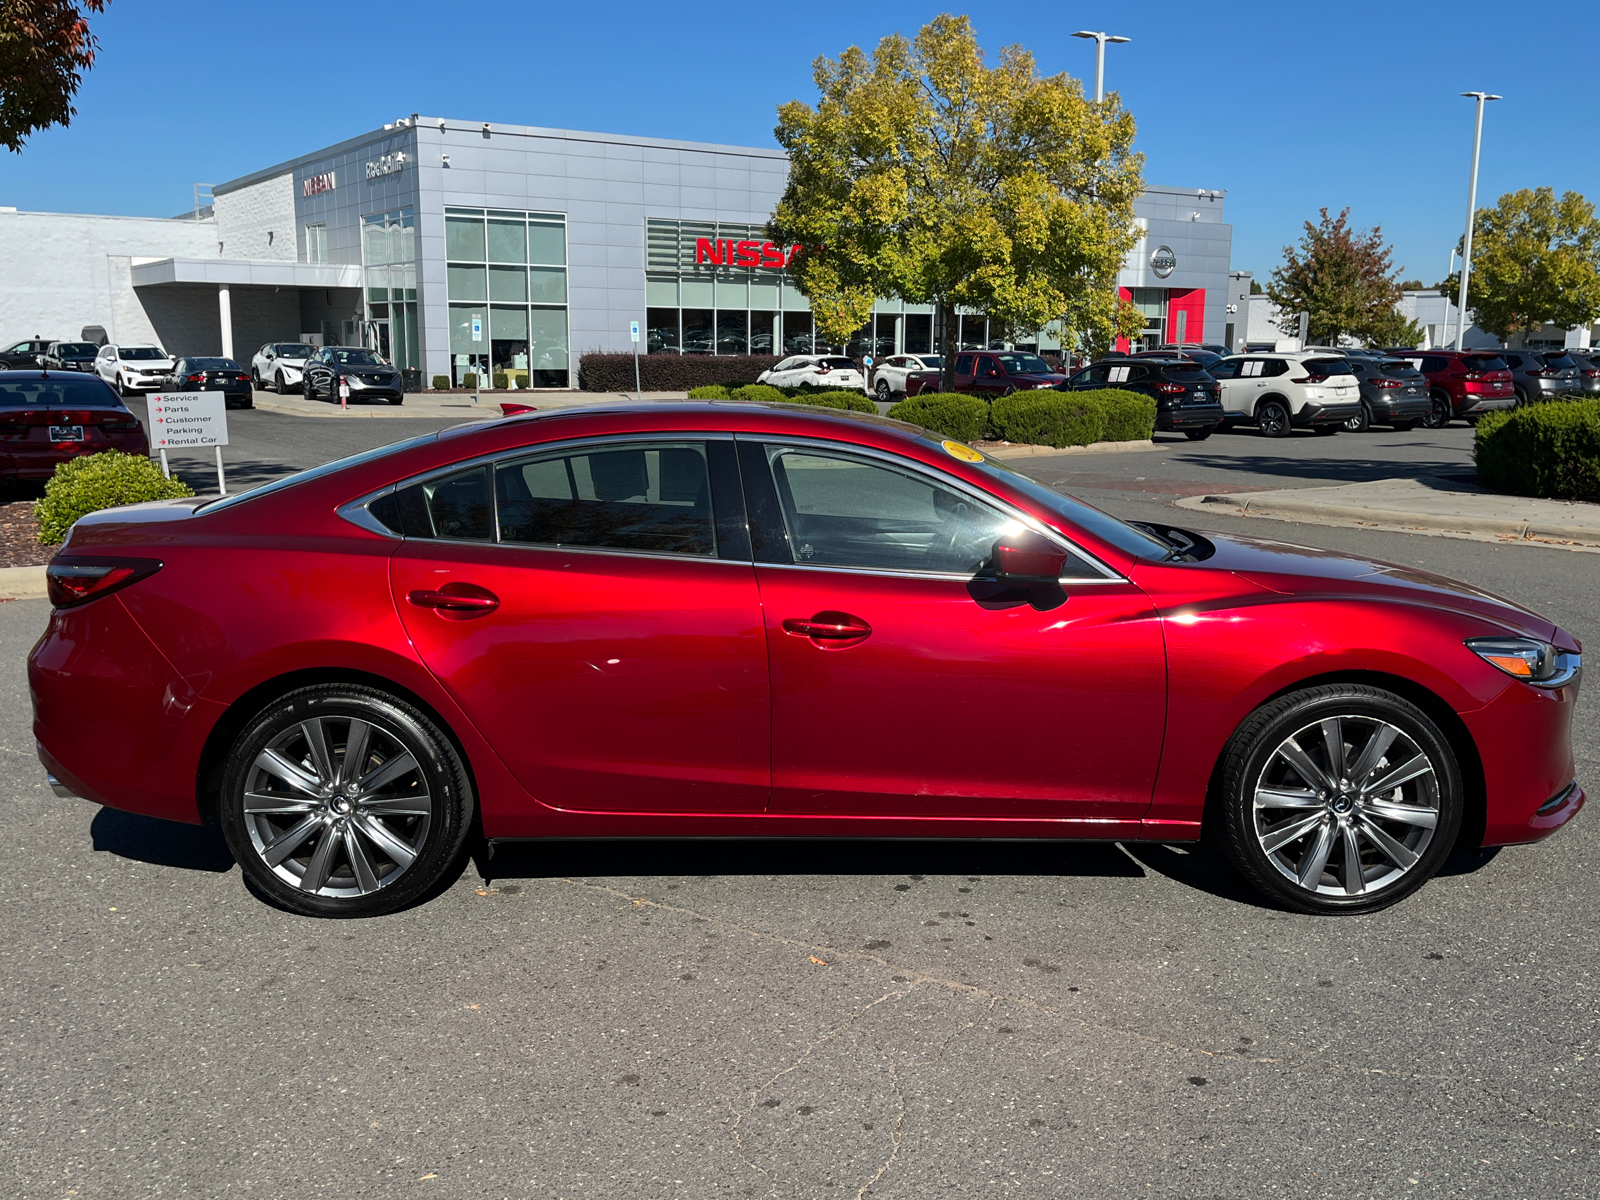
(1191, 223)
(62, 271)
(257, 220)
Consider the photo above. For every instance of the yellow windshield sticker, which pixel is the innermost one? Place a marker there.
(964, 453)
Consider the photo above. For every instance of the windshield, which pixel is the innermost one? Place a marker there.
(1085, 516)
(71, 389)
(359, 358)
(293, 350)
(141, 353)
(75, 349)
(1024, 364)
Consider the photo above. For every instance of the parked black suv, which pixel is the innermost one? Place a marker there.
(213, 375)
(69, 356)
(1393, 393)
(1187, 397)
(1542, 375)
(24, 355)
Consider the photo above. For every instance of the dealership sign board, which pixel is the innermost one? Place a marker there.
(387, 164)
(188, 420)
(316, 184)
(722, 252)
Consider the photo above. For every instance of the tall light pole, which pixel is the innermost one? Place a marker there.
(1472, 212)
(1100, 40)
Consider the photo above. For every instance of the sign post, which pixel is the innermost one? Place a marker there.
(633, 332)
(477, 373)
(190, 421)
(866, 373)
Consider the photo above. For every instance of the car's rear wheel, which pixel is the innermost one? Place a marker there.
(1341, 798)
(1362, 421)
(1198, 435)
(1272, 418)
(1441, 412)
(342, 801)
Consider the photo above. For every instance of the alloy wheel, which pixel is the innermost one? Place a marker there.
(1362, 421)
(1346, 806)
(1272, 420)
(884, 393)
(1439, 415)
(337, 806)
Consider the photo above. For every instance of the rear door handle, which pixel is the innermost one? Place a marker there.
(456, 601)
(829, 630)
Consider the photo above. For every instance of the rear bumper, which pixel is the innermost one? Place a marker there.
(1400, 408)
(1195, 416)
(1313, 413)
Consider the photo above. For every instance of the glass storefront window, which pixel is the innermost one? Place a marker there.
(919, 333)
(516, 262)
(797, 333)
(733, 330)
(547, 346)
(508, 241)
(388, 258)
(508, 341)
(508, 283)
(463, 238)
(467, 283)
(763, 332)
(697, 331)
(547, 285)
(547, 242)
(661, 327)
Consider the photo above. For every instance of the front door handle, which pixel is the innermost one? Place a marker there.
(829, 630)
(456, 601)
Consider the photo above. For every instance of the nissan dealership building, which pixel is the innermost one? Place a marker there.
(458, 246)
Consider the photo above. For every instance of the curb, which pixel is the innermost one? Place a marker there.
(22, 583)
(1023, 450)
(309, 408)
(1402, 520)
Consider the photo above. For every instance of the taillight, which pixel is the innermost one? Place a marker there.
(823, 369)
(1387, 383)
(196, 378)
(1310, 379)
(1591, 373)
(75, 581)
(1170, 389)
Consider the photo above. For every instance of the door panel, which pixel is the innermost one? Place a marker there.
(954, 707)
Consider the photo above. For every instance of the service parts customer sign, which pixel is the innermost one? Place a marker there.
(188, 420)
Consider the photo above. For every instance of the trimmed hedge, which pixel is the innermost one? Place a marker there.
(964, 418)
(1052, 418)
(1550, 449)
(105, 480)
(441, 383)
(669, 372)
(847, 401)
(766, 394)
(711, 391)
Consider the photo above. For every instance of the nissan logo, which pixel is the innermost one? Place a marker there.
(1163, 261)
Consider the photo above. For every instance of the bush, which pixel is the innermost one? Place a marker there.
(711, 391)
(1052, 418)
(441, 383)
(1550, 449)
(501, 380)
(964, 418)
(105, 480)
(469, 380)
(762, 392)
(836, 398)
(669, 372)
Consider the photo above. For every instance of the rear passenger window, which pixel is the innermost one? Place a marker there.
(654, 497)
(453, 507)
(964, 364)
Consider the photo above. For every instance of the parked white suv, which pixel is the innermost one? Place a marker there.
(280, 366)
(819, 370)
(134, 367)
(1282, 392)
(889, 380)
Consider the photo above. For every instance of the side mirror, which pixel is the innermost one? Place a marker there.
(1028, 559)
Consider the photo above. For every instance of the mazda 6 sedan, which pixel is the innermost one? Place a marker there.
(692, 620)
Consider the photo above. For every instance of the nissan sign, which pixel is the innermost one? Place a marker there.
(1163, 262)
(316, 184)
(742, 254)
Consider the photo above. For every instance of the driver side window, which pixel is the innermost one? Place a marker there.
(841, 510)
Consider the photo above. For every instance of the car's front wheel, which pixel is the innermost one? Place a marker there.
(1272, 418)
(1198, 435)
(255, 380)
(342, 801)
(1341, 798)
(885, 393)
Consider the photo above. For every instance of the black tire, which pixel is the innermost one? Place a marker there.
(1522, 397)
(277, 383)
(885, 392)
(1361, 422)
(1403, 426)
(426, 807)
(255, 380)
(1253, 761)
(1441, 413)
(1272, 419)
(1199, 435)
(398, 400)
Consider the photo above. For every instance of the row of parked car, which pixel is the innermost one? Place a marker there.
(1200, 388)
(134, 368)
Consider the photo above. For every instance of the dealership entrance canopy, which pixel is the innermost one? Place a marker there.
(456, 247)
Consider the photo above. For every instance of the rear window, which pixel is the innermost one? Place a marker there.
(213, 364)
(839, 364)
(1399, 368)
(1485, 362)
(1560, 362)
(58, 391)
(1328, 366)
(1185, 373)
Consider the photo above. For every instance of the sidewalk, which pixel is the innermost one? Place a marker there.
(1420, 506)
(456, 405)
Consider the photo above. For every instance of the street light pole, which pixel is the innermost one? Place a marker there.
(1100, 40)
(1472, 212)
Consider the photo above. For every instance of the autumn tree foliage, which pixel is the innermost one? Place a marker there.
(1344, 279)
(45, 46)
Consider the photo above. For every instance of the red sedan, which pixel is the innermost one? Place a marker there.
(747, 620)
(48, 417)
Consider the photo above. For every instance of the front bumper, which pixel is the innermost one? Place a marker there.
(1189, 416)
(1313, 413)
(1524, 742)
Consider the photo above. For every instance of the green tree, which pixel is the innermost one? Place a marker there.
(924, 174)
(1342, 278)
(45, 46)
(1535, 259)
(1255, 288)
(1394, 328)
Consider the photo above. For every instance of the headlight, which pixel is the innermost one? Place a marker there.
(1529, 660)
(355, 381)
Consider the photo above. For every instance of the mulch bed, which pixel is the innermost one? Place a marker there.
(19, 536)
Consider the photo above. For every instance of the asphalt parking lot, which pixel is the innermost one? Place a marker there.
(809, 1018)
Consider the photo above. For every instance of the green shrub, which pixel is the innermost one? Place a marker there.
(761, 392)
(1052, 418)
(501, 380)
(837, 398)
(964, 418)
(1550, 449)
(469, 380)
(105, 480)
(441, 383)
(711, 391)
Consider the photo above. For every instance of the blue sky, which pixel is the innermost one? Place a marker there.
(1290, 107)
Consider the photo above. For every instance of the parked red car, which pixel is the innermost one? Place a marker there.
(1462, 383)
(1000, 372)
(48, 417)
(748, 620)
